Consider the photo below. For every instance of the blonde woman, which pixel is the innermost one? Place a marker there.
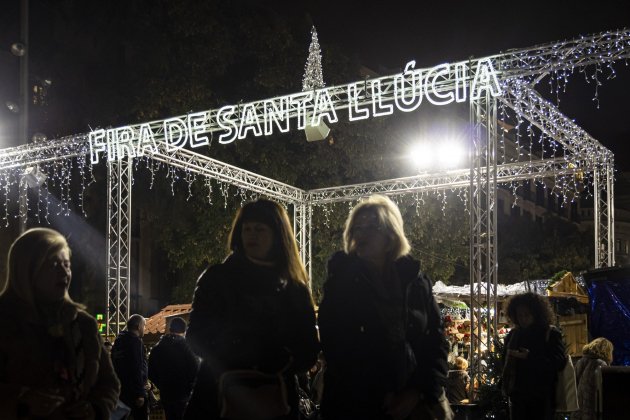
(595, 354)
(380, 326)
(53, 364)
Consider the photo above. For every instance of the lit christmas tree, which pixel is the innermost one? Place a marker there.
(313, 78)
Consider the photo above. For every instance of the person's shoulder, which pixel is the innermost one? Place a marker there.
(408, 268)
(213, 274)
(157, 349)
(555, 332)
(125, 338)
(601, 363)
(338, 259)
(86, 320)
(341, 268)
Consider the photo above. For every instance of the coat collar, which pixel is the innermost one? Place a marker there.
(407, 268)
(11, 305)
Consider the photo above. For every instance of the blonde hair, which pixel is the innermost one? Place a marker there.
(27, 255)
(600, 348)
(461, 363)
(389, 221)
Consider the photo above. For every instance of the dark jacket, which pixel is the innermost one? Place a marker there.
(374, 343)
(536, 376)
(30, 356)
(173, 368)
(245, 316)
(456, 386)
(131, 366)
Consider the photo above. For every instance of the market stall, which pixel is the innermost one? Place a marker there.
(568, 300)
(570, 304)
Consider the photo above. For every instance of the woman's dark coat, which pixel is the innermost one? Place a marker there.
(246, 316)
(536, 376)
(374, 343)
(30, 357)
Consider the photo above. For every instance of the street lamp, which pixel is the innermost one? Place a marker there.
(442, 154)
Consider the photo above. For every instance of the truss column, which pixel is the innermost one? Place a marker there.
(610, 182)
(603, 214)
(302, 217)
(119, 180)
(483, 230)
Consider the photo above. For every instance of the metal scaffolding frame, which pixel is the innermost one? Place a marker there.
(517, 71)
(119, 183)
(483, 228)
(604, 215)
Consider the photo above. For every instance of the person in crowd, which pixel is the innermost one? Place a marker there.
(52, 361)
(458, 382)
(173, 369)
(108, 346)
(534, 353)
(254, 311)
(595, 354)
(130, 363)
(380, 327)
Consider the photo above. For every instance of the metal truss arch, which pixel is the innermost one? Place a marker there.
(517, 71)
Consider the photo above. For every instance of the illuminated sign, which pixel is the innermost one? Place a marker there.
(440, 85)
(100, 323)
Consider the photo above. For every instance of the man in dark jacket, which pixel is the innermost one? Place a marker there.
(131, 367)
(173, 369)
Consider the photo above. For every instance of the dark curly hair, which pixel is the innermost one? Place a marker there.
(538, 306)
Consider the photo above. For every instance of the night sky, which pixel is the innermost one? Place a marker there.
(389, 34)
(386, 35)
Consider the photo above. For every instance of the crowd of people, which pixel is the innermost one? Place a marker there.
(253, 344)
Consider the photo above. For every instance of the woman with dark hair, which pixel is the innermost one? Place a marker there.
(53, 364)
(252, 312)
(380, 326)
(534, 353)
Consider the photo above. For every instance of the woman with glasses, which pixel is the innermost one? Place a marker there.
(380, 326)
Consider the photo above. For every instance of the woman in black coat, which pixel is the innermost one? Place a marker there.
(253, 311)
(380, 326)
(534, 353)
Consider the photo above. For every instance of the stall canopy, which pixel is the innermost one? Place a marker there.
(157, 324)
(444, 293)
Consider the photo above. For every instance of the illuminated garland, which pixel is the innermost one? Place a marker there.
(541, 134)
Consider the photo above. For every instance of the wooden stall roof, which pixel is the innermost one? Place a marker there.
(156, 325)
(568, 287)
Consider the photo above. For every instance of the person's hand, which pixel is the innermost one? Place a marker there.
(139, 401)
(41, 403)
(399, 406)
(80, 410)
